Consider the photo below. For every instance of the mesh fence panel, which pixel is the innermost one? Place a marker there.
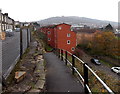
(24, 39)
(10, 51)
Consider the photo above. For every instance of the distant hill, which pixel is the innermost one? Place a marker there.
(77, 20)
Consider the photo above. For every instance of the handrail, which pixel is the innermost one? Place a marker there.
(79, 74)
(88, 89)
(78, 59)
(74, 56)
(69, 62)
(69, 53)
(88, 68)
(107, 88)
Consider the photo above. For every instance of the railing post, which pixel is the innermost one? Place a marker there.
(73, 64)
(85, 78)
(66, 57)
(61, 54)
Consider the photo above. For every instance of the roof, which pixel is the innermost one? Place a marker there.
(63, 23)
(49, 26)
(53, 25)
(87, 30)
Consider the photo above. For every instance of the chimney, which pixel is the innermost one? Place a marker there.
(0, 10)
(6, 14)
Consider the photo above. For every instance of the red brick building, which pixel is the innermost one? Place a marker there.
(60, 36)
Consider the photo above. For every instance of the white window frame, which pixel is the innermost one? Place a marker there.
(68, 34)
(49, 39)
(73, 48)
(71, 29)
(59, 27)
(68, 41)
(49, 32)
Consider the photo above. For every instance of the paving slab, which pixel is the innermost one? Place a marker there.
(42, 76)
(40, 84)
(35, 91)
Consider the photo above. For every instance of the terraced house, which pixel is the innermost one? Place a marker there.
(6, 22)
(60, 36)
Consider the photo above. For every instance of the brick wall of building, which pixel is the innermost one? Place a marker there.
(60, 36)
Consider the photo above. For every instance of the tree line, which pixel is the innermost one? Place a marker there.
(102, 43)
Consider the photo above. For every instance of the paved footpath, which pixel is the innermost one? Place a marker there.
(59, 77)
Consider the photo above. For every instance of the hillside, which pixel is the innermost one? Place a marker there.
(77, 20)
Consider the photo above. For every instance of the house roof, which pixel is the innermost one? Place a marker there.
(63, 23)
(87, 30)
(54, 25)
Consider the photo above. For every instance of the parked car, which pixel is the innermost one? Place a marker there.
(116, 69)
(9, 32)
(17, 29)
(95, 61)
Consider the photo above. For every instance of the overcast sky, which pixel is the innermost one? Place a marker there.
(34, 10)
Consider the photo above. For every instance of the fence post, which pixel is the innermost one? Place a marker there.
(61, 54)
(58, 53)
(30, 35)
(66, 57)
(85, 78)
(3, 81)
(27, 38)
(21, 44)
(73, 64)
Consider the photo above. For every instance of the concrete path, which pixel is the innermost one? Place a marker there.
(59, 77)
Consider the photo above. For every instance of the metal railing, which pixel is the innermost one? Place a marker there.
(63, 55)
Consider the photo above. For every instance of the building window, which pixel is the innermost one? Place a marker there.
(71, 29)
(49, 32)
(68, 34)
(49, 39)
(59, 28)
(73, 49)
(68, 41)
